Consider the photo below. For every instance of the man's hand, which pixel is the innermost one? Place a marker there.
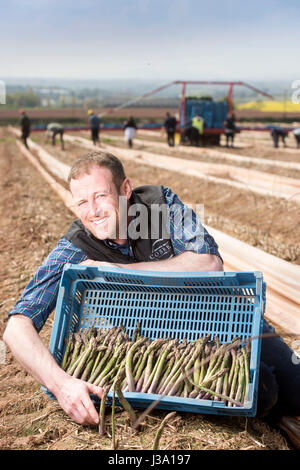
(73, 395)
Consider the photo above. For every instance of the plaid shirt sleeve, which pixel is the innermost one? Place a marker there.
(39, 297)
(186, 230)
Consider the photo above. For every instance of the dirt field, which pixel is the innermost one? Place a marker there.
(253, 218)
(255, 148)
(33, 219)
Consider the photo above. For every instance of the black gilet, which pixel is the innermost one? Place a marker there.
(143, 249)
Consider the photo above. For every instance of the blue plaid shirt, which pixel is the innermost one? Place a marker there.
(39, 297)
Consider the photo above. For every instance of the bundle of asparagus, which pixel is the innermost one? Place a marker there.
(203, 368)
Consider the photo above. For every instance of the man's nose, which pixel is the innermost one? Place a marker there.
(94, 209)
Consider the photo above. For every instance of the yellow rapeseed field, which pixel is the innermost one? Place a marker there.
(270, 106)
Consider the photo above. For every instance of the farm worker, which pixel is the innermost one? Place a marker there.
(198, 123)
(107, 234)
(54, 129)
(96, 182)
(296, 133)
(278, 133)
(94, 122)
(130, 128)
(170, 127)
(229, 129)
(25, 126)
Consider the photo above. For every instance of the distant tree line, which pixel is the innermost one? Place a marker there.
(23, 99)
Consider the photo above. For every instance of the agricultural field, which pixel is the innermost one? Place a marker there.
(270, 106)
(33, 220)
(253, 218)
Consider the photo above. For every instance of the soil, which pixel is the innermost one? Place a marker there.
(33, 219)
(260, 149)
(248, 216)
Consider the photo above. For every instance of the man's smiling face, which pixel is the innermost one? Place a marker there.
(96, 199)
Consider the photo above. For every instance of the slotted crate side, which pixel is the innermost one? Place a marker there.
(120, 280)
(231, 307)
(174, 315)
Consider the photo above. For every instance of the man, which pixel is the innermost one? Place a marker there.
(278, 133)
(98, 238)
(129, 129)
(94, 122)
(198, 123)
(296, 133)
(105, 235)
(54, 129)
(25, 126)
(230, 129)
(170, 127)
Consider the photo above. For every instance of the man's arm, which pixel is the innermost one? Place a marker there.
(28, 317)
(28, 349)
(185, 262)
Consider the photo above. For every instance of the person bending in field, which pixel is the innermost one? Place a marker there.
(109, 233)
(278, 134)
(54, 129)
(296, 133)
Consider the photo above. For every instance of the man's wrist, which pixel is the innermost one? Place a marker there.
(56, 380)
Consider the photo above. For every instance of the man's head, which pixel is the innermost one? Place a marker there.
(101, 191)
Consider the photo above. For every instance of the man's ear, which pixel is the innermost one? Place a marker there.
(126, 189)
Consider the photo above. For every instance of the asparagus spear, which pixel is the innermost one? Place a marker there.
(128, 367)
(101, 428)
(234, 381)
(83, 359)
(69, 347)
(247, 372)
(219, 384)
(241, 379)
(113, 423)
(103, 361)
(160, 365)
(126, 405)
(161, 428)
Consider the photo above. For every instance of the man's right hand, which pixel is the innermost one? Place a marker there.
(73, 395)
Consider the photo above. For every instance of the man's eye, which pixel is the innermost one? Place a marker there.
(81, 203)
(99, 196)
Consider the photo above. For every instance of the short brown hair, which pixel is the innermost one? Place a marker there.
(101, 159)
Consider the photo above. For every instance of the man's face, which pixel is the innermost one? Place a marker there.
(97, 202)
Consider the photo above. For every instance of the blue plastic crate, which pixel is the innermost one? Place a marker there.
(173, 305)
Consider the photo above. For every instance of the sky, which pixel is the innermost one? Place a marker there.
(150, 39)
